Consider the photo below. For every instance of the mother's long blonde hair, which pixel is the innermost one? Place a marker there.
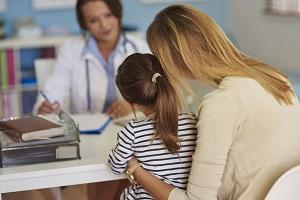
(188, 42)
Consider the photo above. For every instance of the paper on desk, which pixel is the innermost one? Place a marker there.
(89, 122)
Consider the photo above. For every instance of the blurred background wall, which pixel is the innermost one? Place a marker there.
(136, 14)
(274, 39)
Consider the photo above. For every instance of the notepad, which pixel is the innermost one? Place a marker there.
(31, 128)
(91, 123)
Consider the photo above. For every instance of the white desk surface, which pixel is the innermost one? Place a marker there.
(92, 167)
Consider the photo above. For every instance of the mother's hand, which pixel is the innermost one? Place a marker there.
(132, 162)
(153, 185)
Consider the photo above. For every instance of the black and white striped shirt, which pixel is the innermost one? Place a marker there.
(135, 139)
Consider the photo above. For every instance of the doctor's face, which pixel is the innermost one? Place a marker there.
(100, 22)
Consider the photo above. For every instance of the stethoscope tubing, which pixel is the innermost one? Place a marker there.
(87, 72)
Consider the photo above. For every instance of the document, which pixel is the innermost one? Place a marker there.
(91, 123)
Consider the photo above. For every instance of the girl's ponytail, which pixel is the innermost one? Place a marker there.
(166, 109)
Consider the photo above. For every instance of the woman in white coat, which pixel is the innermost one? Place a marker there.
(85, 68)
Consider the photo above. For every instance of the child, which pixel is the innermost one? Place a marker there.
(164, 142)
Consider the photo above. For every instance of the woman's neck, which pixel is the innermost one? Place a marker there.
(106, 50)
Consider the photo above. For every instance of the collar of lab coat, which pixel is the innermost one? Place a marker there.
(89, 49)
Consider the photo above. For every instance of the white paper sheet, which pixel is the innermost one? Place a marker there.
(89, 122)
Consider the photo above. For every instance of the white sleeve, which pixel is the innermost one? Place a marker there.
(218, 123)
(57, 86)
(123, 151)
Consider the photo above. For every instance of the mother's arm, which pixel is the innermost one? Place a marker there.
(217, 125)
(158, 189)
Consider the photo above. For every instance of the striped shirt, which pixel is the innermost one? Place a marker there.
(135, 139)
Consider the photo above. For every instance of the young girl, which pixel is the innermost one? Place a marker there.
(164, 142)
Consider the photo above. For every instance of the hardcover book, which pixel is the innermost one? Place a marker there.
(31, 128)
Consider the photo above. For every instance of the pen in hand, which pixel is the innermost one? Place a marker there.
(44, 96)
(54, 107)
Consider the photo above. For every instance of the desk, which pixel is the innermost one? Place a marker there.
(91, 168)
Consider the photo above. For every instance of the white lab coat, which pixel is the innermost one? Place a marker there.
(68, 82)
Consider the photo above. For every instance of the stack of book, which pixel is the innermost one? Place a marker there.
(36, 139)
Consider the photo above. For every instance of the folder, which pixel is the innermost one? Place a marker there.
(40, 153)
(92, 123)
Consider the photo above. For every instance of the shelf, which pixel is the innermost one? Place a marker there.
(17, 99)
(44, 41)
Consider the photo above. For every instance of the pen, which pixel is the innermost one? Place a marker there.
(47, 99)
(44, 96)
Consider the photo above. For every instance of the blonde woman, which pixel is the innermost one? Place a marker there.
(248, 127)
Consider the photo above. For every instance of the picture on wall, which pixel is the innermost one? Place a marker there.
(283, 7)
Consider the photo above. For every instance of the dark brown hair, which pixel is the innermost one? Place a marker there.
(115, 7)
(134, 80)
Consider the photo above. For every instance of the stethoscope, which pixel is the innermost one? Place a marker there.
(87, 73)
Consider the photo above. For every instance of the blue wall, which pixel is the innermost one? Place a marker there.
(135, 14)
(142, 14)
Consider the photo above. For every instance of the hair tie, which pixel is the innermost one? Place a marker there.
(155, 76)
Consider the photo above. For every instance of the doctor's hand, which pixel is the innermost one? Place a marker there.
(119, 108)
(46, 107)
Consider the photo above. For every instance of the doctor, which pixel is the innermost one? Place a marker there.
(85, 68)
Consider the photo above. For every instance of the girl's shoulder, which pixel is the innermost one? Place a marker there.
(150, 119)
(187, 115)
(142, 122)
(150, 122)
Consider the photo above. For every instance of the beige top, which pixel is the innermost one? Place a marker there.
(246, 140)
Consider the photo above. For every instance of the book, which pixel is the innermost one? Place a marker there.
(61, 148)
(92, 123)
(6, 112)
(31, 128)
(11, 68)
(3, 68)
(8, 143)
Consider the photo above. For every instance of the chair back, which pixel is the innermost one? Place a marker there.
(287, 186)
(43, 68)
